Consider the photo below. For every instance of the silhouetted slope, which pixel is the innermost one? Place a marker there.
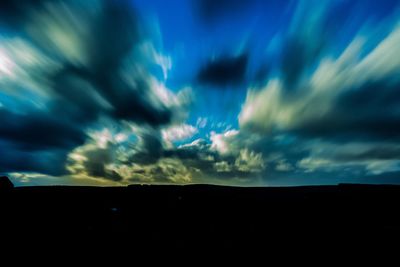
(215, 217)
(5, 183)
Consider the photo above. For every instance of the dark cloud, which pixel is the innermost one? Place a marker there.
(90, 79)
(323, 94)
(122, 101)
(379, 152)
(211, 163)
(96, 162)
(261, 75)
(13, 13)
(112, 36)
(148, 150)
(329, 115)
(369, 111)
(104, 155)
(37, 141)
(148, 160)
(39, 131)
(224, 71)
(211, 10)
(351, 128)
(99, 71)
(298, 56)
(16, 159)
(198, 156)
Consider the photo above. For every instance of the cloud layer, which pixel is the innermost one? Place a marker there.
(89, 95)
(74, 63)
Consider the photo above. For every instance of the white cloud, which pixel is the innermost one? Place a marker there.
(223, 166)
(26, 177)
(382, 166)
(161, 96)
(164, 61)
(165, 170)
(6, 65)
(274, 108)
(221, 142)
(383, 60)
(132, 155)
(246, 162)
(20, 66)
(372, 158)
(178, 133)
(249, 161)
(200, 144)
(265, 109)
(283, 166)
(39, 179)
(201, 122)
(312, 164)
(64, 28)
(108, 155)
(370, 167)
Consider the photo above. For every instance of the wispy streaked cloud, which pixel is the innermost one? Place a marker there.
(227, 92)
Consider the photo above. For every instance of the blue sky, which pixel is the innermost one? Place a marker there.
(246, 93)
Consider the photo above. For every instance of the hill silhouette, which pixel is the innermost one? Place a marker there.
(5, 183)
(212, 217)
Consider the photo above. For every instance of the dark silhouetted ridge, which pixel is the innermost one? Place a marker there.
(204, 216)
(5, 183)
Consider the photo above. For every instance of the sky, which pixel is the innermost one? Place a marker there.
(227, 92)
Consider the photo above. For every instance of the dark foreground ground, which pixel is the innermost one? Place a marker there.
(203, 217)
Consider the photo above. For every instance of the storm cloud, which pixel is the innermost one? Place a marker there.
(210, 10)
(83, 61)
(137, 154)
(340, 108)
(224, 71)
(343, 97)
(95, 92)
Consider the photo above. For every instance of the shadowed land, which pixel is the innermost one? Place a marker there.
(196, 215)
